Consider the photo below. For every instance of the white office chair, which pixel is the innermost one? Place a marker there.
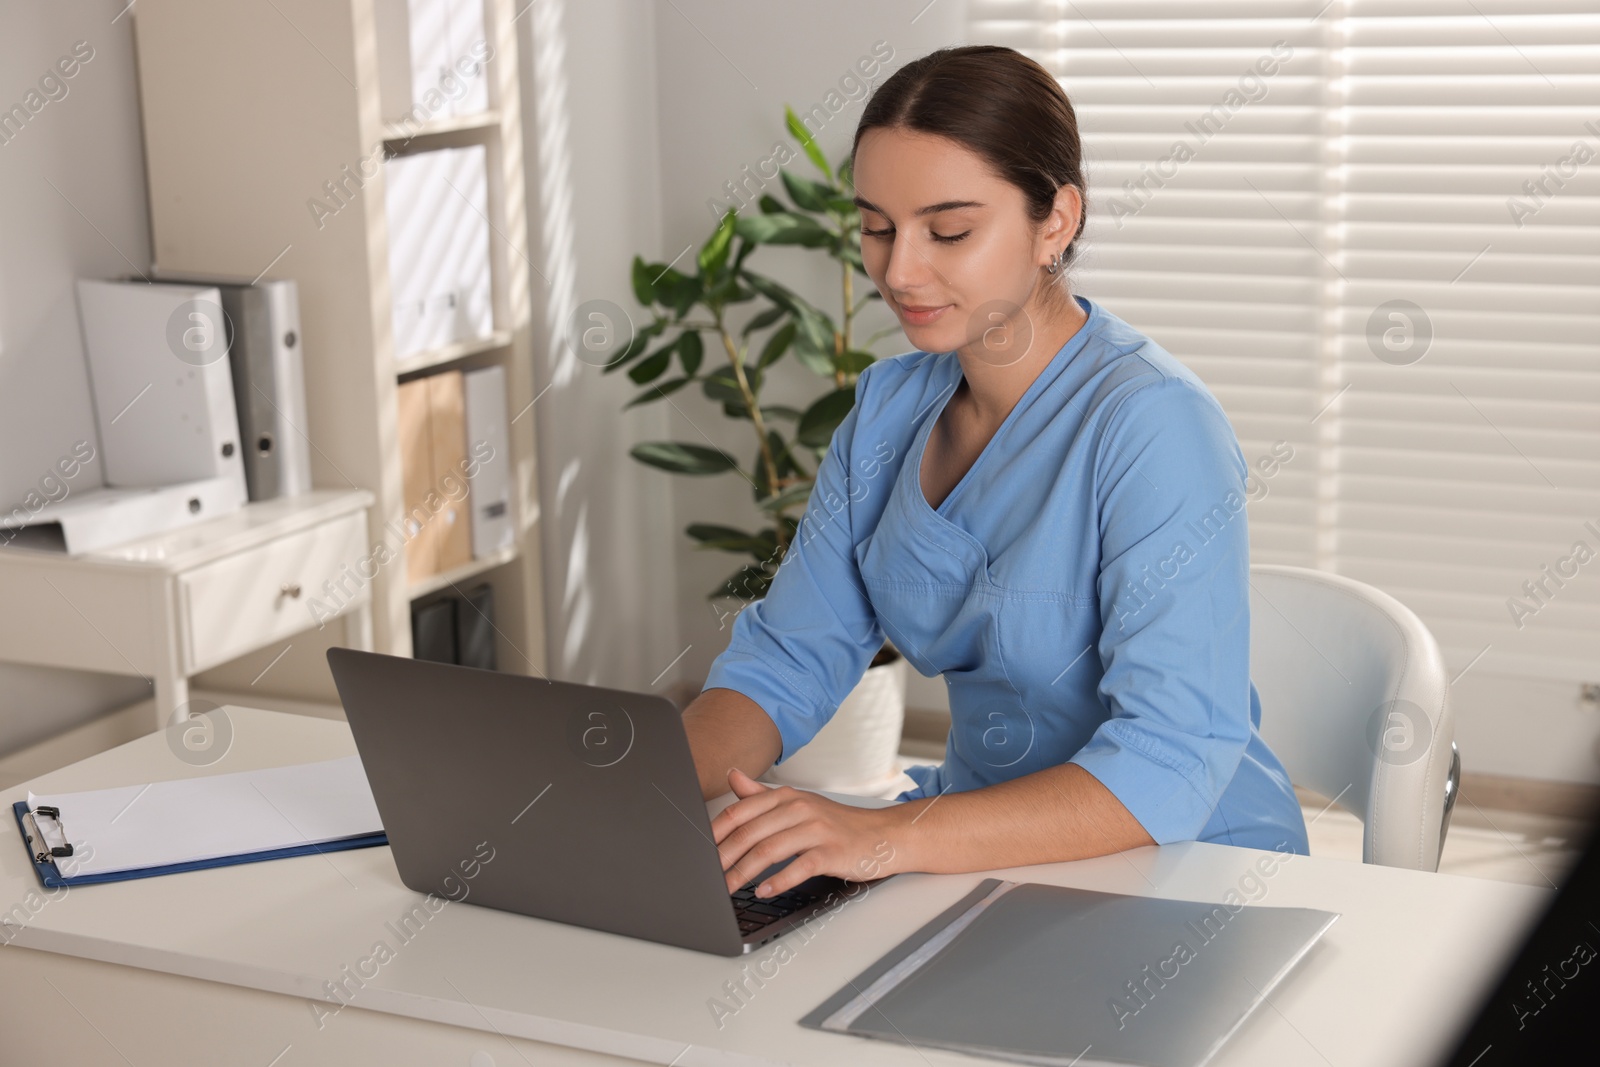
(1355, 700)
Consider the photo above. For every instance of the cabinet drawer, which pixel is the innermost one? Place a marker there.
(265, 594)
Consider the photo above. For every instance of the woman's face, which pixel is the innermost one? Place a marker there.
(947, 241)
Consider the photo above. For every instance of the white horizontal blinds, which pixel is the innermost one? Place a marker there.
(1441, 152)
(1466, 471)
(1202, 127)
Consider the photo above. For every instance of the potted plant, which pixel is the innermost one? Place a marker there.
(693, 312)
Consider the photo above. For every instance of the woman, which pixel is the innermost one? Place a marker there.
(1040, 504)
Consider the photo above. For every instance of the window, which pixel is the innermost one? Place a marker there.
(1373, 229)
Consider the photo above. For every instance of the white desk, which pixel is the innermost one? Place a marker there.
(225, 965)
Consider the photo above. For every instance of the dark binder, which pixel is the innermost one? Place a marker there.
(475, 631)
(433, 630)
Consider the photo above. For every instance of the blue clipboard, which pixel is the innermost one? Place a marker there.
(50, 876)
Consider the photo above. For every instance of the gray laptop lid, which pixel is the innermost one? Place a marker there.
(586, 798)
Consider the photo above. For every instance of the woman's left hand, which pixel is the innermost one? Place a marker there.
(768, 824)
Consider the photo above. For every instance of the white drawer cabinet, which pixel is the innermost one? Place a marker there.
(171, 606)
(264, 594)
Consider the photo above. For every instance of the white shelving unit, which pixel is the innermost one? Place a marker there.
(253, 114)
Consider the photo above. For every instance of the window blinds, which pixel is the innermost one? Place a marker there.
(1373, 229)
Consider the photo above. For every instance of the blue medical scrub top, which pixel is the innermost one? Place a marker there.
(1084, 589)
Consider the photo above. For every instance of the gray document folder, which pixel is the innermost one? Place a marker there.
(1054, 975)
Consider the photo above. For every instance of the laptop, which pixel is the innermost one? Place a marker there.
(585, 799)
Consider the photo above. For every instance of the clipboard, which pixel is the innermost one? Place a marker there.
(43, 856)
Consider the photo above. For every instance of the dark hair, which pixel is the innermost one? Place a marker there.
(998, 103)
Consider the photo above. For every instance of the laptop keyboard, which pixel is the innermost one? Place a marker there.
(754, 913)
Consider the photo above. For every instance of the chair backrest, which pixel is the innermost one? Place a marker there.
(1355, 700)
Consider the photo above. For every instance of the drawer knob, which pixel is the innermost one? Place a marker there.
(290, 590)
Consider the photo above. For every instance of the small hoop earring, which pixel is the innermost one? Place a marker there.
(1055, 263)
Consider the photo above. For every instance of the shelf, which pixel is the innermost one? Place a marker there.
(446, 579)
(438, 357)
(399, 131)
(210, 213)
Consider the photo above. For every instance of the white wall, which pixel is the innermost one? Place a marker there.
(72, 203)
(589, 75)
(727, 67)
(637, 115)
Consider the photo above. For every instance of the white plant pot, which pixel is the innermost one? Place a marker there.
(855, 752)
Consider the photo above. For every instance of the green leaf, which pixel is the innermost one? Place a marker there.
(780, 411)
(855, 361)
(682, 458)
(704, 531)
(847, 174)
(722, 386)
(818, 363)
(637, 346)
(746, 583)
(814, 334)
(813, 342)
(765, 549)
(798, 493)
(823, 417)
(844, 206)
(677, 291)
(725, 538)
(722, 291)
(690, 351)
(781, 456)
(813, 196)
(643, 290)
(775, 291)
(761, 484)
(745, 248)
(656, 363)
(816, 329)
(763, 320)
(776, 345)
(771, 205)
(714, 253)
(807, 143)
(785, 228)
(657, 391)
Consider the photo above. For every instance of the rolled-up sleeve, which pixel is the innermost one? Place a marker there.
(1174, 590)
(800, 649)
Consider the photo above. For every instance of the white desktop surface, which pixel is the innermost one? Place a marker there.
(1410, 955)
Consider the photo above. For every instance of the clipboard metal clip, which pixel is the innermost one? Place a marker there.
(43, 850)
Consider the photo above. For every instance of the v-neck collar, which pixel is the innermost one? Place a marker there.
(953, 372)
